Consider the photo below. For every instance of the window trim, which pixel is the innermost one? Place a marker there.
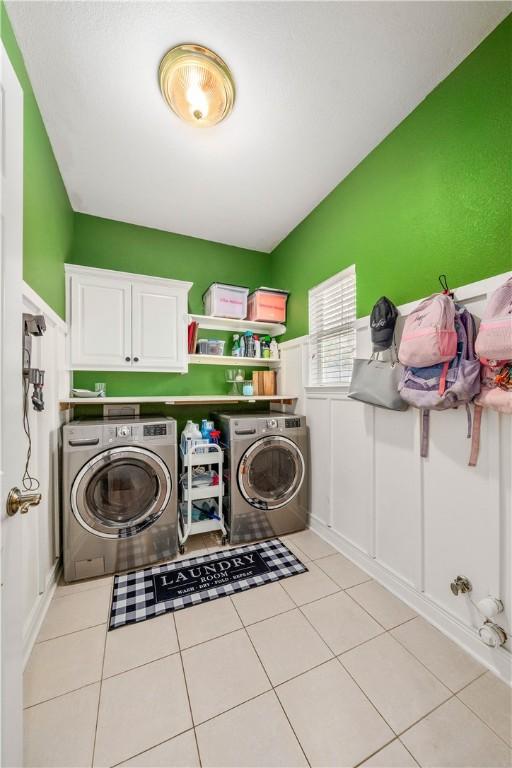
(325, 285)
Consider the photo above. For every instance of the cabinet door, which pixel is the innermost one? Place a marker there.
(159, 327)
(100, 322)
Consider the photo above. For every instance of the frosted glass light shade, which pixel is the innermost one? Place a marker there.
(196, 84)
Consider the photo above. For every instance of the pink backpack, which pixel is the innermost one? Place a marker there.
(429, 336)
(494, 341)
(494, 347)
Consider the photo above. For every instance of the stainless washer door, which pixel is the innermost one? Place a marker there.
(120, 492)
(271, 472)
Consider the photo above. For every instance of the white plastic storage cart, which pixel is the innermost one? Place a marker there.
(210, 456)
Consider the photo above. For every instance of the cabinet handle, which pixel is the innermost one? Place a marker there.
(127, 359)
(135, 359)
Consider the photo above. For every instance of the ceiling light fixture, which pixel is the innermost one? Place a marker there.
(196, 84)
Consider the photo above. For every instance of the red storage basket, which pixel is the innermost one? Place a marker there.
(267, 305)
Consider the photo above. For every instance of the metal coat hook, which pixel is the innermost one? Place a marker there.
(443, 280)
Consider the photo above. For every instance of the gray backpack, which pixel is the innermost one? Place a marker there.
(445, 385)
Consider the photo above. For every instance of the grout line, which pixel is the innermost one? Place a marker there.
(103, 677)
(139, 666)
(230, 709)
(478, 716)
(272, 686)
(99, 695)
(368, 757)
(68, 634)
(408, 750)
(388, 629)
(430, 711)
(448, 698)
(366, 695)
(423, 664)
(186, 689)
(61, 695)
(132, 757)
(365, 610)
(215, 637)
(74, 593)
(471, 683)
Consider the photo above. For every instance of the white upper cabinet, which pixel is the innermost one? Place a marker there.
(100, 320)
(158, 331)
(122, 321)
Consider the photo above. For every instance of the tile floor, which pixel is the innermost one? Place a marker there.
(322, 669)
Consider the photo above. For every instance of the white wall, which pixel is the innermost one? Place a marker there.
(41, 528)
(413, 523)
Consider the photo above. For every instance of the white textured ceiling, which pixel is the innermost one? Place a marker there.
(319, 84)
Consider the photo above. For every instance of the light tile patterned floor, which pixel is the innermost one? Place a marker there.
(324, 669)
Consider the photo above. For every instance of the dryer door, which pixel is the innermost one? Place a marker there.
(120, 492)
(271, 472)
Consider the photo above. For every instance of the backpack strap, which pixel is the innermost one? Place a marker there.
(471, 334)
(475, 442)
(424, 432)
(468, 415)
(442, 378)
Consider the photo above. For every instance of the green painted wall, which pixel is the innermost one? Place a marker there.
(433, 197)
(113, 245)
(47, 213)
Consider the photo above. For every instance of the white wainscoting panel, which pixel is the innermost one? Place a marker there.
(412, 523)
(41, 526)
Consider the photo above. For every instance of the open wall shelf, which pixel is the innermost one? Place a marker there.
(236, 362)
(237, 326)
(71, 402)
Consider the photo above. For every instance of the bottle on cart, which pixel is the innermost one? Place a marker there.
(257, 346)
(235, 350)
(242, 346)
(274, 350)
(215, 436)
(189, 435)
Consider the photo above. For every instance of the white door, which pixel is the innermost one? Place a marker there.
(100, 322)
(159, 326)
(12, 442)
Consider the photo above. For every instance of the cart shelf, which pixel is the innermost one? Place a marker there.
(200, 455)
(201, 492)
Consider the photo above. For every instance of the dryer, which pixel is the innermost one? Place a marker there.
(267, 471)
(119, 483)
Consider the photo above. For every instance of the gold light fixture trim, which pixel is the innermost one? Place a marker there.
(197, 84)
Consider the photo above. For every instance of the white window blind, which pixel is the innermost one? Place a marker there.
(332, 336)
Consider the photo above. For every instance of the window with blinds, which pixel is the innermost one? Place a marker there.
(332, 336)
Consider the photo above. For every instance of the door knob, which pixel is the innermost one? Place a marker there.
(20, 501)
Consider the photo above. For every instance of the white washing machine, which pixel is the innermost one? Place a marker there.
(119, 483)
(267, 474)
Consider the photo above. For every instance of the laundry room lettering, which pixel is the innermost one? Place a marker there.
(183, 581)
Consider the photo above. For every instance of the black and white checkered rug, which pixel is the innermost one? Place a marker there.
(142, 594)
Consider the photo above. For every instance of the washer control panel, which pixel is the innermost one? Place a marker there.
(91, 435)
(155, 430)
(135, 432)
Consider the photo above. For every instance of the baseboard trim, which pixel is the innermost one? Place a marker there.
(39, 611)
(498, 660)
